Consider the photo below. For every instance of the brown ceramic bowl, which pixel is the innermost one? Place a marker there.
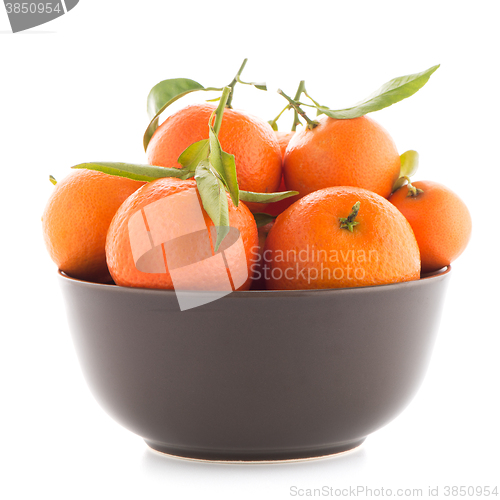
(258, 375)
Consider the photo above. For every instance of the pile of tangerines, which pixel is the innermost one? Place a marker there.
(329, 205)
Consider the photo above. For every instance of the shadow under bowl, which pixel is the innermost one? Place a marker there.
(257, 375)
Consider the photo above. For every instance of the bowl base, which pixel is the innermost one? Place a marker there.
(244, 456)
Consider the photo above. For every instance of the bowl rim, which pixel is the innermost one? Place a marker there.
(424, 279)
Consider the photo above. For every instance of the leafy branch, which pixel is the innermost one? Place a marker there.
(388, 94)
(165, 93)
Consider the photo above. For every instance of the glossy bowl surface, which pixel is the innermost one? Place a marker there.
(258, 375)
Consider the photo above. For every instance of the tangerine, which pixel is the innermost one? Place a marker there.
(440, 220)
(357, 152)
(77, 217)
(340, 237)
(163, 228)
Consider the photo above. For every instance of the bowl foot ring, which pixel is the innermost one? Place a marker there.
(243, 456)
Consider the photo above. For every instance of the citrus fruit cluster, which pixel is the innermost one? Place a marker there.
(329, 205)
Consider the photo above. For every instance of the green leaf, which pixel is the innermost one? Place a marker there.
(136, 171)
(398, 184)
(52, 179)
(257, 85)
(230, 176)
(261, 219)
(409, 163)
(163, 95)
(265, 197)
(192, 155)
(391, 92)
(225, 165)
(165, 92)
(214, 199)
(409, 166)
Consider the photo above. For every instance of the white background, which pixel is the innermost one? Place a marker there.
(75, 90)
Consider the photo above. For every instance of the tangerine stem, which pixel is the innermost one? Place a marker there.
(302, 88)
(317, 104)
(235, 81)
(412, 190)
(52, 179)
(349, 222)
(273, 121)
(219, 112)
(310, 123)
